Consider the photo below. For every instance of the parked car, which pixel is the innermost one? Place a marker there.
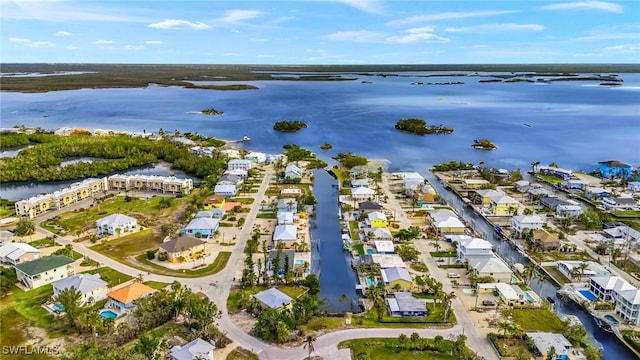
(453, 275)
(488, 303)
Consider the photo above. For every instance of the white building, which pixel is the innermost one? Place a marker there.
(225, 190)
(15, 253)
(633, 186)
(90, 287)
(242, 164)
(526, 222)
(362, 193)
(116, 224)
(628, 306)
(45, 270)
(256, 157)
(568, 210)
(292, 171)
(198, 349)
(608, 287)
(492, 266)
(285, 217)
(474, 248)
(544, 341)
(287, 234)
(384, 247)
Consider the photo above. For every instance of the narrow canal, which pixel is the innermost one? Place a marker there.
(329, 260)
(612, 347)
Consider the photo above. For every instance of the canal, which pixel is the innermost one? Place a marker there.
(612, 347)
(329, 260)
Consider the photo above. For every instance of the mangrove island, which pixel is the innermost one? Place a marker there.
(212, 111)
(483, 144)
(289, 126)
(419, 127)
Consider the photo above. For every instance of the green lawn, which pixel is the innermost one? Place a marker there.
(113, 277)
(129, 245)
(241, 354)
(390, 349)
(422, 267)
(242, 200)
(359, 248)
(11, 334)
(233, 301)
(353, 229)
(218, 264)
(42, 243)
(556, 274)
(370, 319)
(156, 284)
(440, 254)
(536, 319)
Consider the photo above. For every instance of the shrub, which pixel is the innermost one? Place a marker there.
(151, 254)
(162, 256)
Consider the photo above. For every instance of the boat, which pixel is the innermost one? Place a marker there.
(246, 138)
(527, 125)
(550, 300)
(604, 325)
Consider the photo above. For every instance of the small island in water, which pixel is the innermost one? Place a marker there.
(326, 146)
(212, 111)
(289, 126)
(483, 144)
(419, 127)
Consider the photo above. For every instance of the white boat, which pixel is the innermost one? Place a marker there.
(246, 138)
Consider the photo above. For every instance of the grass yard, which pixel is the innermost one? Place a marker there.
(548, 256)
(422, 267)
(536, 319)
(441, 254)
(353, 229)
(359, 248)
(156, 284)
(242, 200)
(556, 274)
(323, 323)
(390, 349)
(370, 319)
(43, 243)
(218, 264)
(11, 334)
(241, 354)
(111, 276)
(512, 347)
(129, 245)
(235, 296)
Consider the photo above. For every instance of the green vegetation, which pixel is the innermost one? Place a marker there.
(212, 111)
(483, 144)
(441, 254)
(419, 127)
(359, 248)
(7, 208)
(632, 337)
(25, 227)
(289, 126)
(218, 264)
(408, 347)
(43, 243)
(421, 267)
(536, 319)
(129, 245)
(556, 274)
(326, 146)
(453, 166)
(111, 276)
(156, 284)
(238, 297)
(241, 354)
(204, 140)
(348, 160)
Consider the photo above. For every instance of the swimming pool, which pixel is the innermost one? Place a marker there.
(528, 297)
(587, 294)
(611, 319)
(108, 314)
(58, 308)
(370, 251)
(299, 262)
(370, 281)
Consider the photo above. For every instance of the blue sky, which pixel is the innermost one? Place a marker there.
(320, 32)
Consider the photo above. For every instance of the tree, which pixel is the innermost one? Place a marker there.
(551, 354)
(415, 338)
(150, 345)
(91, 320)
(25, 227)
(313, 283)
(446, 302)
(69, 298)
(308, 344)
(374, 293)
(402, 340)
(583, 266)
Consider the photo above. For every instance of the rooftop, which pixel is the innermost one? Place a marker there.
(44, 264)
(404, 301)
(180, 244)
(131, 292)
(395, 273)
(273, 298)
(84, 283)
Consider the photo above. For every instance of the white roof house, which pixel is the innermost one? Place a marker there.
(380, 233)
(285, 218)
(287, 233)
(450, 222)
(209, 225)
(474, 248)
(492, 266)
(441, 214)
(375, 215)
(197, 349)
(506, 291)
(256, 157)
(524, 222)
(362, 193)
(292, 171)
(90, 286)
(387, 260)
(14, 253)
(628, 306)
(116, 223)
(608, 287)
(273, 298)
(239, 164)
(503, 199)
(545, 341)
(225, 190)
(384, 246)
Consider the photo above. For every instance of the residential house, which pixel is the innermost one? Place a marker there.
(358, 183)
(379, 233)
(90, 287)
(45, 270)
(242, 174)
(292, 171)
(274, 299)
(552, 202)
(424, 198)
(287, 205)
(242, 164)
(229, 180)
(377, 219)
(561, 173)
(225, 190)
(526, 222)
(633, 186)
(214, 213)
(396, 277)
(16, 253)
(614, 169)
(504, 205)
(287, 258)
(622, 232)
(474, 248)
(286, 234)
(475, 183)
(230, 153)
(383, 260)
(449, 225)
(612, 203)
(384, 247)
(544, 341)
(545, 240)
(483, 197)
(572, 184)
(366, 207)
(290, 193)
(628, 306)
(522, 186)
(596, 193)
(184, 249)
(116, 224)
(124, 298)
(213, 201)
(201, 227)
(197, 349)
(607, 288)
(362, 194)
(566, 267)
(285, 217)
(568, 210)
(403, 304)
(492, 266)
(535, 193)
(256, 157)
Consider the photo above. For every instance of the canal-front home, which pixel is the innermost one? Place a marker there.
(46, 270)
(377, 219)
(242, 164)
(396, 278)
(611, 203)
(17, 253)
(526, 222)
(614, 169)
(362, 193)
(607, 288)
(403, 304)
(544, 341)
(568, 210)
(116, 224)
(213, 201)
(494, 267)
(483, 197)
(504, 205)
(287, 205)
(285, 234)
(596, 193)
(90, 287)
(546, 240)
(273, 299)
(474, 248)
(124, 298)
(628, 306)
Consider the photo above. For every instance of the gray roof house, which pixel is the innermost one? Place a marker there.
(405, 305)
(273, 298)
(198, 349)
(214, 213)
(116, 223)
(90, 286)
(543, 341)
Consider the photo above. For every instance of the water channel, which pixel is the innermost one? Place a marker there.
(612, 347)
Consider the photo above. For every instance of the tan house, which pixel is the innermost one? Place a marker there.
(183, 248)
(545, 240)
(17, 253)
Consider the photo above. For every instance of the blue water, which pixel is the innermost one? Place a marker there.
(108, 314)
(588, 294)
(611, 319)
(528, 297)
(58, 308)
(370, 281)
(370, 251)
(299, 262)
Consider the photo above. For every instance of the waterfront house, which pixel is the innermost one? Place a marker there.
(403, 304)
(256, 157)
(607, 288)
(286, 234)
(503, 205)
(285, 217)
(290, 193)
(45, 270)
(242, 174)
(449, 225)
(229, 180)
(492, 266)
(526, 222)
(546, 240)
(396, 277)
(366, 207)
(197, 349)
(362, 194)
(14, 253)
(561, 173)
(377, 219)
(483, 197)
(566, 267)
(522, 186)
(535, 193)
(572, 184)
(124, 298)
(273, 298)
(384, 247)
(90, 287)
(214, 213)
(474, 248)
(183, 248)
(568, 210)
(225, 190)
(614, 169)
(628, 306)
(292, 171)
(622, 232)
(596, 193)
(552, 202)
(201, 227)
(384, 260)
(358, 183)
(612, 203)
(242, 164)
(475, 183)
(288, 205)
(633, 186)
(287, 258)
(212, 201)
(544, 341)
(379, 233)
(116, 224)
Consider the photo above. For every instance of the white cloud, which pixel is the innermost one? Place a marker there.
(588, 55)
(368, 6)
(449, 16)
(176, 24)
(588, 5)
(19, 40)
(316, 51)
(154, 42)
(63, 33)
(230, 54)
(623, 49)
(258, 39)
(59, 11)
(233, 16)
(496, 28)
(422, 34)
(608, 36)
(480, 46)
(104, 42)
(357, 36)
(71, 47)
(135, 47)
(40, 44)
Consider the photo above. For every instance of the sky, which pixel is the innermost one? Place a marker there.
(319, 32)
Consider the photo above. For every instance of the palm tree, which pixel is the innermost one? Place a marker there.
(308, 344)
(530, 272)
(402, 340)
(374, 293)
(534, 166)
(446, 302)
(583, 266)
(69, 298)
(504, 326)
(475, 293)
